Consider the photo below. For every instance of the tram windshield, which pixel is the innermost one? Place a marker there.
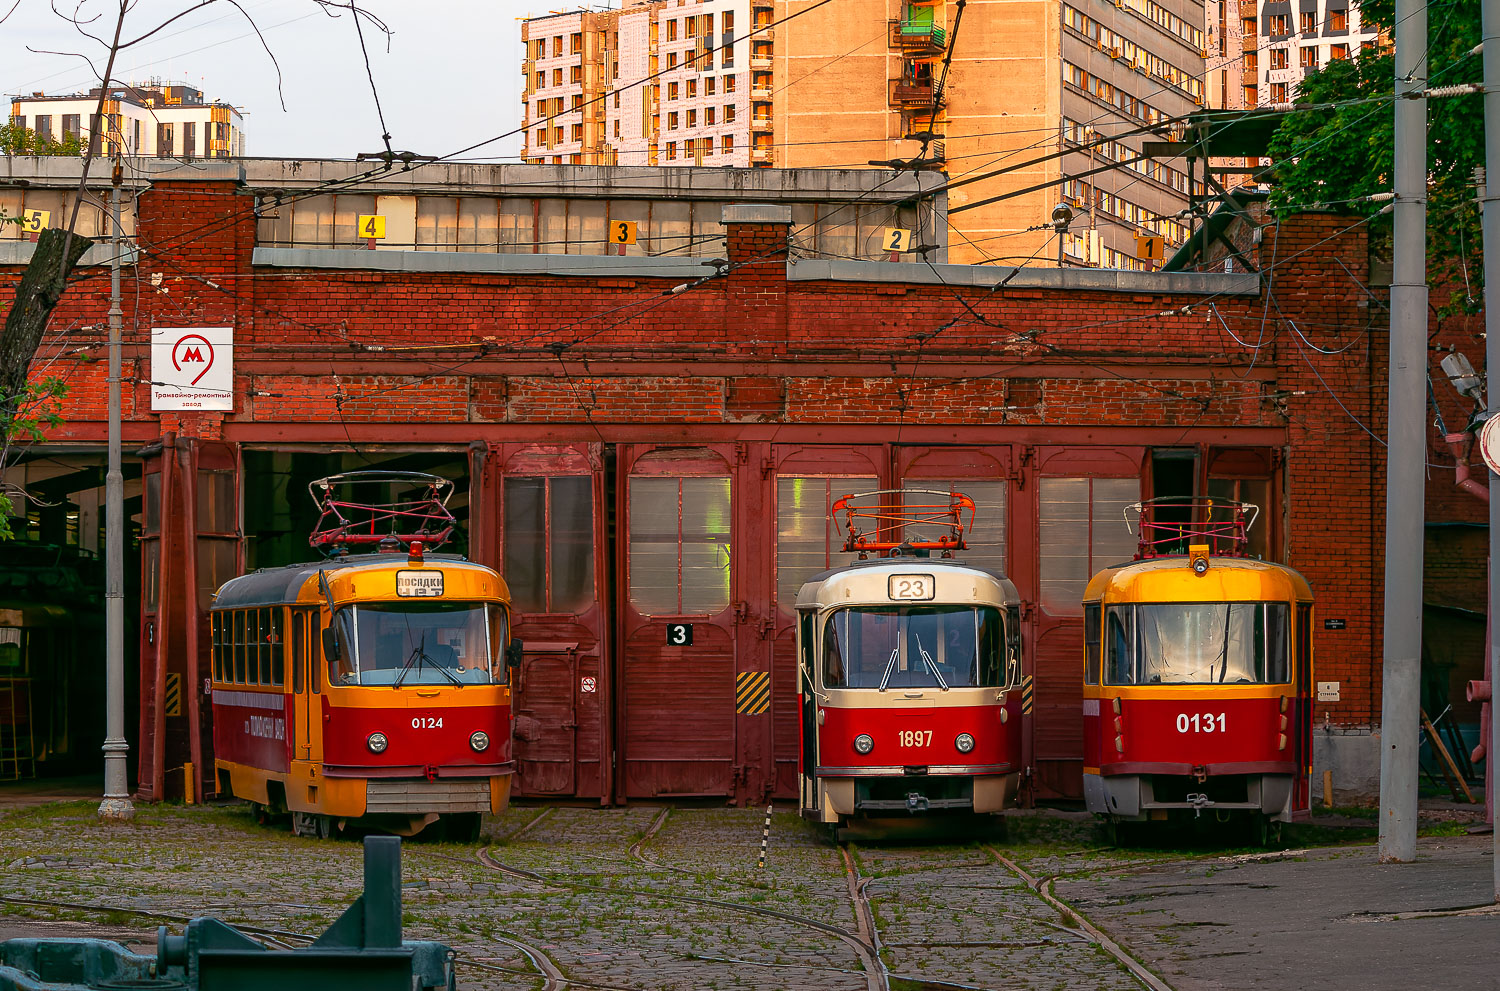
(941, 647)
(419, 643)
(1197, 643)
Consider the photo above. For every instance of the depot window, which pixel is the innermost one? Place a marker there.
(549, 543)
(806, 540)
(1196, 643)
(1082, 529)
(679, 545)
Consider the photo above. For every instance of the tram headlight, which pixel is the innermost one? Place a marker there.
(479, 740)
(377, 742)
(964, 742)
(864, 743)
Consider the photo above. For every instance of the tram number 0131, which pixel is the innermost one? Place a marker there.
(915, 737)
(1206, 722)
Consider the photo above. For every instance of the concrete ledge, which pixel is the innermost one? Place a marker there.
(20, 252)
(984, 276)
(594, 266)
(756, 213)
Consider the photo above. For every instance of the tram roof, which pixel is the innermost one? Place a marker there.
(1171, 579)
(279, 586)
(868, 581)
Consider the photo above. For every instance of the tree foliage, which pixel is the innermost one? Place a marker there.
(24, 141)
(1335, 155)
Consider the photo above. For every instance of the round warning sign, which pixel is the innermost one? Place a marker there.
(1489, 443)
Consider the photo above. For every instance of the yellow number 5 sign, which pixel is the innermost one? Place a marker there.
(622, 232)
(372, 226)
(35, 221)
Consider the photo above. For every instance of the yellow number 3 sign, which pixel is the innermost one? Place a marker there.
(372, 226)
(622, 232)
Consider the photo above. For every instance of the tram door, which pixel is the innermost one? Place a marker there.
(807, 481)
(307, 728)
(1077, 496)
(552, 560)
(693, 663)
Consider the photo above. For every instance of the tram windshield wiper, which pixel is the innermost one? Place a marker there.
(420, 657)
(928, 661)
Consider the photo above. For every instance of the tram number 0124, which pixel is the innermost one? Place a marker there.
(1206, 722)
(427, 722)
(915, 737)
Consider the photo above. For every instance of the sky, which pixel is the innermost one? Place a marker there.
(451, 76)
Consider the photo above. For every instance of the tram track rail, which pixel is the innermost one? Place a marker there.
(1043, 885)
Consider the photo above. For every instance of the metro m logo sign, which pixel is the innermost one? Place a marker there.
(192, 368)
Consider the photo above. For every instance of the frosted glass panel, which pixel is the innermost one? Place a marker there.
(987, 538)
(806, 541)
(1063, 536)
(705, 544)
(1113, 543)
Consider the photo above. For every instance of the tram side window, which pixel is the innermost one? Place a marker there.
(1121, 655)
(806, 625)
(1091, 643)
(299, 649)
(239, 646)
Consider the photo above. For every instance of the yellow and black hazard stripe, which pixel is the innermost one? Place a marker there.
(172, 701)
(1028, 694)
(752, 692)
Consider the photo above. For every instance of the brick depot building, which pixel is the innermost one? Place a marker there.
(630, 457)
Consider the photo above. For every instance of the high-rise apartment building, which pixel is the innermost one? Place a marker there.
(587, 103)
(1059, 94)
(160, 119)
(1046, 102)
(1283, 42)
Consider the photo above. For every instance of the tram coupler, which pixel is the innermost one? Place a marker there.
(362, 951)
(916, 802)
(1199, 801)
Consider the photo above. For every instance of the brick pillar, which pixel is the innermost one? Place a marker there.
(755, 306)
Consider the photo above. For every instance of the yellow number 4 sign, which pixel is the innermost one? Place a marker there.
(896, 239)
(372, 226)
(35, 221)
(622, 232)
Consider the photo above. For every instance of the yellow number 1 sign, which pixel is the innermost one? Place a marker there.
(372, 226)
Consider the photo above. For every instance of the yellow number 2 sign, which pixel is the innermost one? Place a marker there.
(372, 226)
(35, 221)
(622, 232)
(896, 239)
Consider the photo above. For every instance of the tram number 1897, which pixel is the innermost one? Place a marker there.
(1207, 722)
(916, 737)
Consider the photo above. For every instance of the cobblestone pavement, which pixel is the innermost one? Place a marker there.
(630, 899)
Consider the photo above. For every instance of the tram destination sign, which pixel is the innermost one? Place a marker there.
(419, 584)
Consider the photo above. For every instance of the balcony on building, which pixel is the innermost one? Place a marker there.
(917, 33)
(913, 92)
(759, 155)
(761, 122)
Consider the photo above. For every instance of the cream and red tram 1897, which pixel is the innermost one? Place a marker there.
(908, 670)
(367, 689)
(1197, 694)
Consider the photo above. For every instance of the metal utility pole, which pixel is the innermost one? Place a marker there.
(116, 804)
(1406, 456)
(1490, 19)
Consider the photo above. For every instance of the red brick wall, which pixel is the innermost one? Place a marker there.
(314, 346)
